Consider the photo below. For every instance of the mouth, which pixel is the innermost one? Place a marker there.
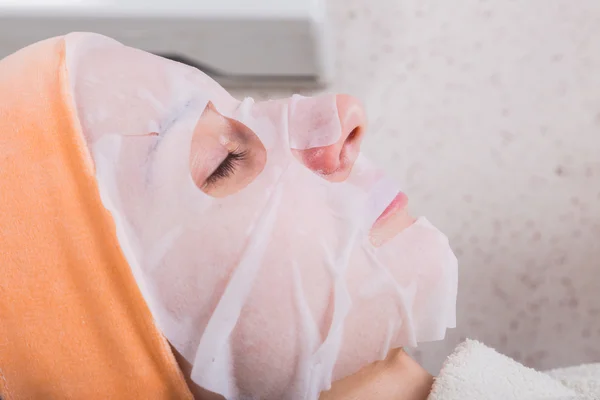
(399, 203)
(393, 220)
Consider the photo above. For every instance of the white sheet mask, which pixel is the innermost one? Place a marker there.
(272, 292)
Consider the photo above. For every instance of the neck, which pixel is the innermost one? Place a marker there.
(398, 377)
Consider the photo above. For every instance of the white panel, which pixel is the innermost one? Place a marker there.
(239, 41)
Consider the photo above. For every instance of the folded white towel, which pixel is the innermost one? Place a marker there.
(477, 372)
(584, 379)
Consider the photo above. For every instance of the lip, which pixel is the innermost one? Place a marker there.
(399, 202)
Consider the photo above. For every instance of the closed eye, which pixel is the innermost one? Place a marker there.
(225, 155)
(227, 167)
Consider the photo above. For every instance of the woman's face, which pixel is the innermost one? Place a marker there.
(226, 156)
(273, 255)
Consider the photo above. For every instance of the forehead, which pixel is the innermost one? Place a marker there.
(103, 72)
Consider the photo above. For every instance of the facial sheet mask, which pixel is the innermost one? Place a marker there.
(272, 292)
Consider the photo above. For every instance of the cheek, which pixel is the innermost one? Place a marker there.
(291, 295)
(193, 274)
(267, 336)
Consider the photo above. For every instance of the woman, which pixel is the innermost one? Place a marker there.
(164, 240)
(141, 202)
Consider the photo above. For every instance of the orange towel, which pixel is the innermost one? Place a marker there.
(73, 324)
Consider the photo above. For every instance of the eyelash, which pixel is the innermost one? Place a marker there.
(227, 167)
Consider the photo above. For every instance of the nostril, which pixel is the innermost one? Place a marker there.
(351, 145)
(353, 135)
(352, 119)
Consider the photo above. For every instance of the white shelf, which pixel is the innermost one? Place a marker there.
(238, 41)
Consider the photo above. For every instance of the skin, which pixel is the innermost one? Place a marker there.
(397, 377)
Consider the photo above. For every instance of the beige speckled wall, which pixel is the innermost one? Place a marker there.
(489, 112)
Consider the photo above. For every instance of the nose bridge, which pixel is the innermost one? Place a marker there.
(313, 121)
(265, 119)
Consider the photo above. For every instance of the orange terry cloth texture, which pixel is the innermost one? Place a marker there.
(73, 323)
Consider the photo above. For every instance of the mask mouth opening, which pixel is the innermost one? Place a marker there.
(381, 191)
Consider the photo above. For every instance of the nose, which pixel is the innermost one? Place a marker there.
(334, 162)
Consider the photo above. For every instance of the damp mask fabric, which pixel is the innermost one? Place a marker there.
(272, 292)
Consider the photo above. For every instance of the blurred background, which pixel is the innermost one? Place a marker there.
(489, 113)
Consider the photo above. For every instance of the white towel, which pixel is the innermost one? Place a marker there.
(584, 379)
(477, 372)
